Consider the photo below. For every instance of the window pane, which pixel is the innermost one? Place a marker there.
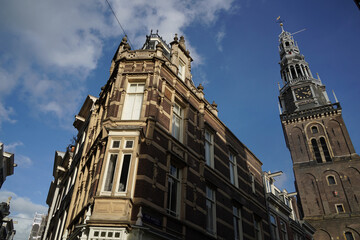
(349, 236)
(110, 172)
(124, 173)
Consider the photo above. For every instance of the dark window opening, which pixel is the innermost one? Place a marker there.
(340, 208)
(298, 70)
(349, 236)
(287, 44)
(293, 73)
(314, 129)
(331, 180)
(316, 150)
(325, 149)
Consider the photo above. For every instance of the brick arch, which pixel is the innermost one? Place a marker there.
(355, 232)
(354, 175)
(320, 126)
(310, 198)
(322, 234)
(299, 145)
(337, 138)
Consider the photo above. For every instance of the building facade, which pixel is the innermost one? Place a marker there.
(284, 218)
(152, 160)
(325, 164)
(38, 226)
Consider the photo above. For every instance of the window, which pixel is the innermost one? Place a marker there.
(238, 232)
(133, 101)
(177, 122)
(339, 208)
(331, 180)
(273, 227)
(115, 144)
(97, 233)
(314, 129)
(252, 179)
(181, 70)
(316, 150)
(233, 169)
(110, 172)
(124, 172)
(325, 149)
(257, 228)
(173, 190)
(209, 148)
(129, 144)
(210, 211)
(283, 230)
(349, 236)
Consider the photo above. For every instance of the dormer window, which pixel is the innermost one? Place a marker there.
(181, 70)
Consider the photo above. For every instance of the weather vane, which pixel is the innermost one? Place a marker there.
(279, 20)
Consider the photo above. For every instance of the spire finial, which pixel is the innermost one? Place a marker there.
(281, 22)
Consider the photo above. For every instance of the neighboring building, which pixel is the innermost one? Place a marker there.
(38, 226)
(6, 164)
(357, 2)
(284, 218)
(7, 231)
(153, 161)
(326, 166)
(66, 165)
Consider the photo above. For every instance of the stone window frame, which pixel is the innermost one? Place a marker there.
(274, 226)
(212, 201)
(283, 230)
(95, 233)
(328, 182)
(233, 168)
(339, 205)
(180, 117)
(351, 234)
(136, 93)
(123, 136)
(177, 180)
(210, 162)
(237, 221)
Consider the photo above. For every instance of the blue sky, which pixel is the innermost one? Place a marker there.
(54, 53)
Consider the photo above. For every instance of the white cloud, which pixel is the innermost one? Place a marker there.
(5, 114)
(22, 210)
(12, 146)
(49, 48)
(219, 37)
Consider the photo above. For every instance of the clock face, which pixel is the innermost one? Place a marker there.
(303, 93)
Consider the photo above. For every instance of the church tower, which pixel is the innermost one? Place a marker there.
(325, 164)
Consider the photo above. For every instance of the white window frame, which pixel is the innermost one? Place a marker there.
(238, 230)
(105, 191)
(233, 169)
(181, 70)
(210, 210)
(117, 192)
(252, 178)
(118, 233)
(133, 101)
(209, 148)
(112, 144)
(178, 118)
(174, 179)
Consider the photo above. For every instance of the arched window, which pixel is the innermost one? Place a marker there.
(325, 149)
(349, 236)
(287, 44)
(316, 150)
(307, 71)
(299, 73)
(314, 129)
(293, 73)
(331, 180)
